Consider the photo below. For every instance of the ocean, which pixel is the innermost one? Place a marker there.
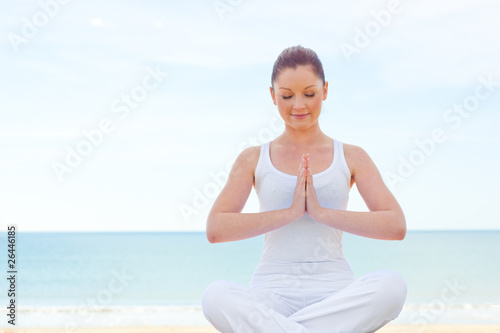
(82, 279)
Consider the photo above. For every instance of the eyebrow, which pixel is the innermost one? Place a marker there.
(312, 85)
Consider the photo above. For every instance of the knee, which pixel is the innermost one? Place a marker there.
(212, 294)
(217, 297)
(392, 288)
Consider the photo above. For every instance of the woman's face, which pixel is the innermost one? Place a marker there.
(299, 94)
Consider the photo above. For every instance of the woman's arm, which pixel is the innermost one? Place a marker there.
(385, 220)
(225, 221)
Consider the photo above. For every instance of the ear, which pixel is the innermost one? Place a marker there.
(325, 90)
(273, 96)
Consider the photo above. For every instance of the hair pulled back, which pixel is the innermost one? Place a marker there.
(294, 56)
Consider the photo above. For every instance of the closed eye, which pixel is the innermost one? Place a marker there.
(288, 97)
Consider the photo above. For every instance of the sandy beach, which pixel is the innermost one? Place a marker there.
(178, 329)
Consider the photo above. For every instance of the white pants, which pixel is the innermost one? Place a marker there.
(365, 305)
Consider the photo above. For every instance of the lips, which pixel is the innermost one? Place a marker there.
(300, 116)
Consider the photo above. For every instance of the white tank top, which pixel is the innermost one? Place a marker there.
(304, 253)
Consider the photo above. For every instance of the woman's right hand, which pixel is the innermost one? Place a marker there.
(298, 207)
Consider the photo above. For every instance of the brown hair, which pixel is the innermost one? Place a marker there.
(294, 56)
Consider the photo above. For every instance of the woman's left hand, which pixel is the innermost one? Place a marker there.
(313, 207)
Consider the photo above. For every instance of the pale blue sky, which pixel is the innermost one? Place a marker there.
(70, 71)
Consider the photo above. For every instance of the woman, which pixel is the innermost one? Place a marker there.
(302, 178)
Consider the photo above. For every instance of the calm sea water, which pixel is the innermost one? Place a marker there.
(129, 278)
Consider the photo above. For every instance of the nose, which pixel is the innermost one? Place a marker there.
(299, 104)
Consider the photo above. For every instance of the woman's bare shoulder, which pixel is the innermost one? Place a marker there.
(354, 156)
(250, 154)
(353, 149)
(248, 159)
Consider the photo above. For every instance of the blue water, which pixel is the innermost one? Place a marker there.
(171, 269)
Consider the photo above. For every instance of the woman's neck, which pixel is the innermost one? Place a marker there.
(302, 138)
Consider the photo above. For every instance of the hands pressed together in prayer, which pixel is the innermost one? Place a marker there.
(304, 195)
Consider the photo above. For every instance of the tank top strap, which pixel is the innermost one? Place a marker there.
(262, 166)
(339, 149)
